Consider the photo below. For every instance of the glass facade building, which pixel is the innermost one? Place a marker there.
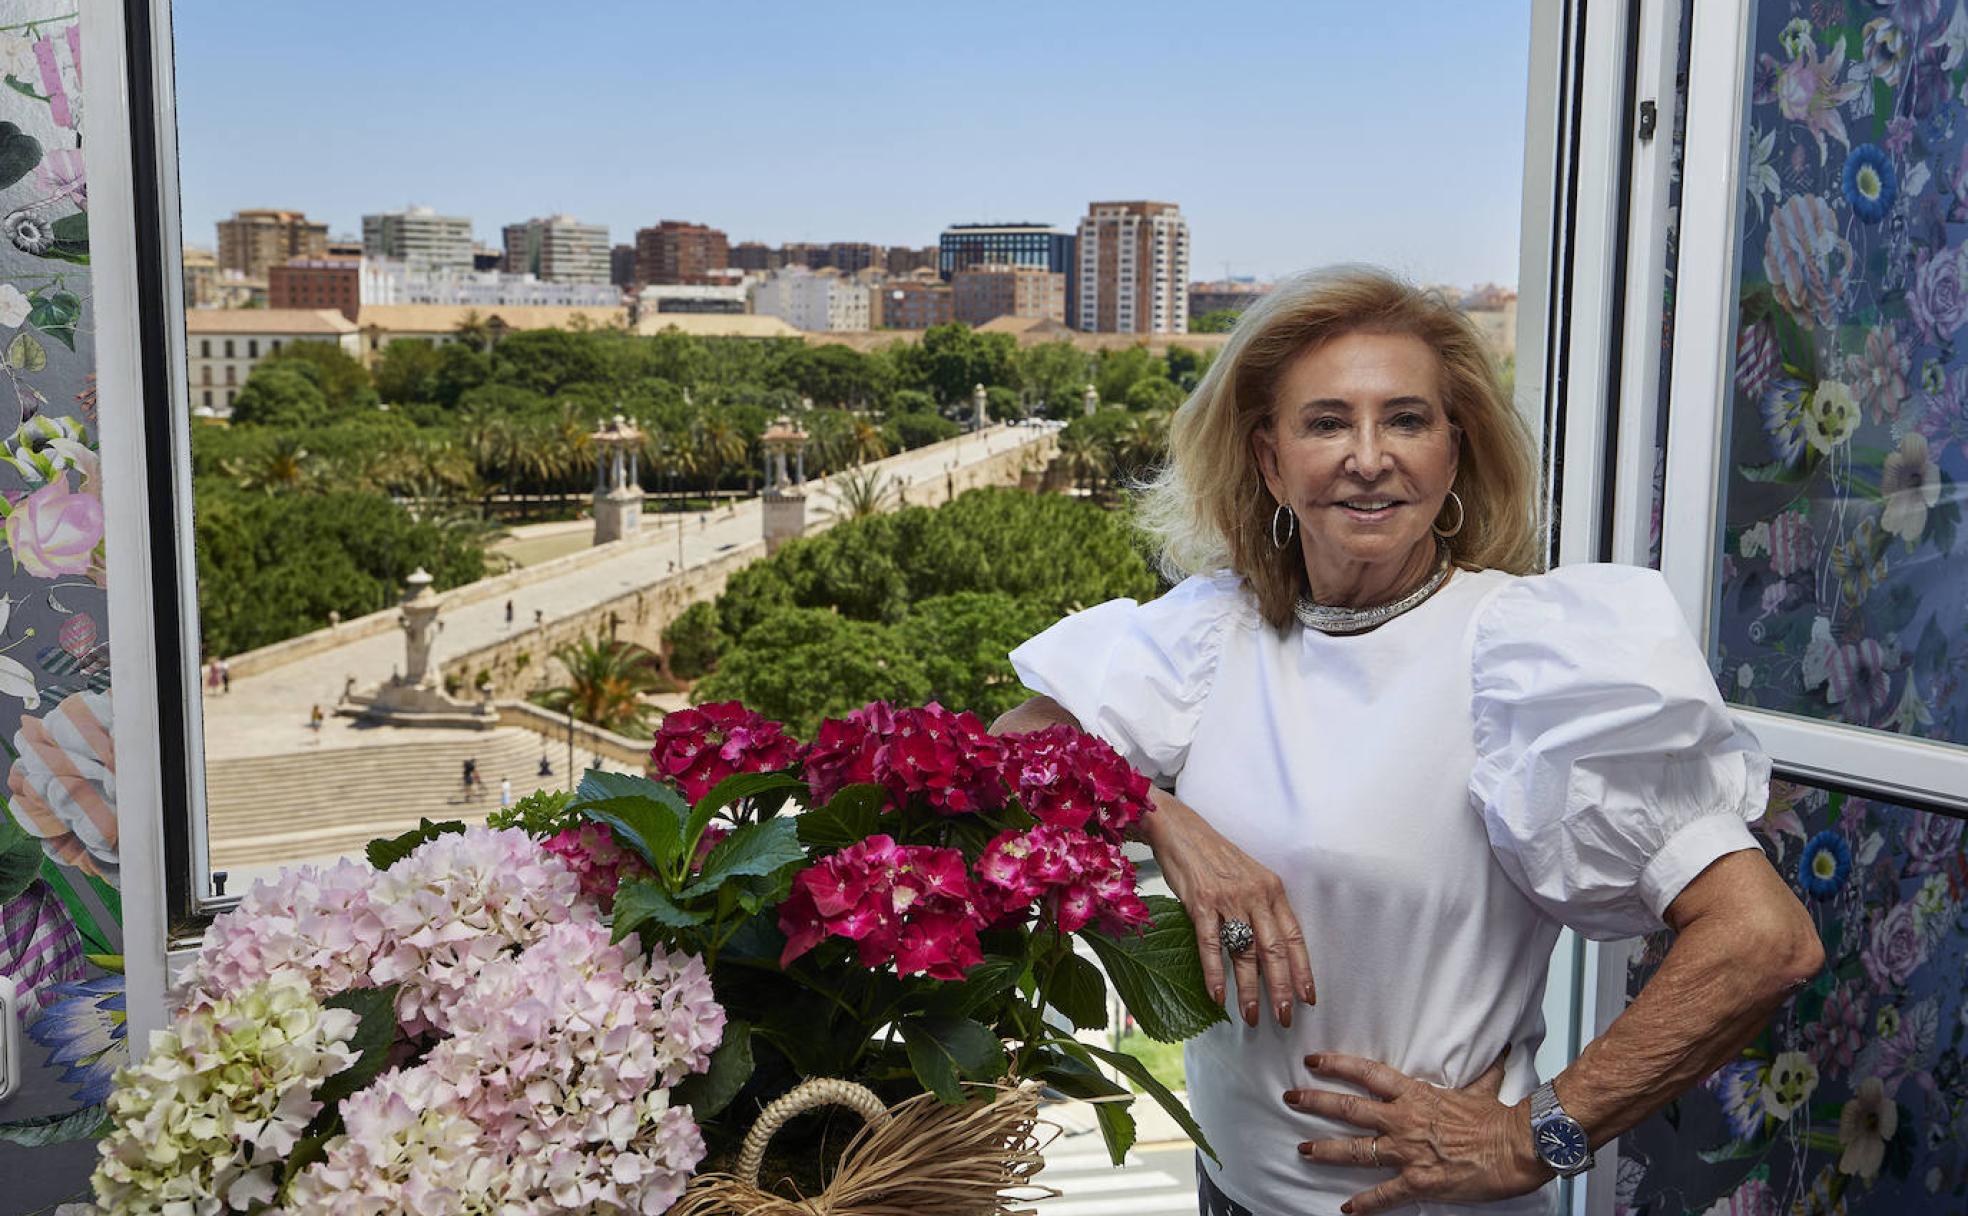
(965, 245)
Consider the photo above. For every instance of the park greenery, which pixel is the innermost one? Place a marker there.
(917, 605)
(333, 480)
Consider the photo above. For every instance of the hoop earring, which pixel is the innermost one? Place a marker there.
(1461, 517)
(1290, 517)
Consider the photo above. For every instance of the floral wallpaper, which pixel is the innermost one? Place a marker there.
(1848, 448)
(60, 931)
(1855, 1098)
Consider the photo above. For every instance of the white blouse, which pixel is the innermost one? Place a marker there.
(1438, 796)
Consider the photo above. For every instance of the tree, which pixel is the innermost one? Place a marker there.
(279, 394)
(693, 642)
(1002, 404)
(963, 642)
(1218, 322)
(1056, 374)
(1117, 370)
(286, 466)
(343, 381)
(805, 664)
(861, 492)
(951, 360)
(1153, 393)
(1186, 367)
(907, 432)
(605, 681)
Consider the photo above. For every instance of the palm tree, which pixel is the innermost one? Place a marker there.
(605, 680)
(866, 441)
(1085, 457)
(287, 466)
(720, 446)
(473, 330)
(861, 492)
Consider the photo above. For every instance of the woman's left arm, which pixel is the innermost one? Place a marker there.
(1742, 945)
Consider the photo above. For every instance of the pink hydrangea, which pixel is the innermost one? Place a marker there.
(1075, 878)
(697, 748)
(459, 903)
(910, 905)
(596, 860)
(846, 750)
(1070, 779)
(557, 1074)
(317, 923)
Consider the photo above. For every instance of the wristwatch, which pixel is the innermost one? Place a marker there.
(1559, 1140)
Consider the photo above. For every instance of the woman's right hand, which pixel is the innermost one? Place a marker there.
(1217, 881)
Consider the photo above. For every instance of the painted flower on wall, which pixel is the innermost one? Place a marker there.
(1911, 482)
(64, 783)
(1810, 90)
(83, 1030)
(39, 946)
(1869, 182)
(1809, 262)
(54, 531)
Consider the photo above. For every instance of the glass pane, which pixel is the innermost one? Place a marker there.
(1840, 592)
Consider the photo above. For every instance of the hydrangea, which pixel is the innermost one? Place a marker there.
(590, 851)
(846, 750)
(910, 905)
(202, 1124)
(697, 748)
(558, 1070)
(458, 904)
(949, 759)
(1077, 879)
(1071, 779)
(316, 923)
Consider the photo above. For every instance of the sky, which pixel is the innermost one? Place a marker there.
(1291, 134)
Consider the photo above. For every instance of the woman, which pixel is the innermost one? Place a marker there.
(1401, 760)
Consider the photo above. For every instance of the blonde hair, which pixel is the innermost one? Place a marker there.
(1208, 509)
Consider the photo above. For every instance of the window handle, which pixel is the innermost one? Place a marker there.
(11, 1063)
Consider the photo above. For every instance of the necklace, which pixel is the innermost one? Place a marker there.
(1328, 618)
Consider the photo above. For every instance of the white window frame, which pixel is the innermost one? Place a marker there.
(1915, 772)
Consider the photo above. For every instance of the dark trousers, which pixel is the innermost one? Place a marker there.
(1212, 1202)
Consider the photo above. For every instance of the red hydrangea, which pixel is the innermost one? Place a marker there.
(947, 759)
(910, 905)
(591, 852)
(1075, 877)
(844, 753)
(1071, 779)
(699, 747)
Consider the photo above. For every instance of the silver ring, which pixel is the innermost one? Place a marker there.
(1236, 935)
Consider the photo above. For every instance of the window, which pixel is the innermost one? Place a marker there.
(205, 376)
(232, 373)
(228, 348)
(252, 348)
(204, 348)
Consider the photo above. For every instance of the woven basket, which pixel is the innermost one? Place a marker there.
(919, 1158)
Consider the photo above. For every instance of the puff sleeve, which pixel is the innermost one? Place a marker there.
(1137, 675)
(1609, 773)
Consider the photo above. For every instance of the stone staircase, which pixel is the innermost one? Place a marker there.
(274, 810)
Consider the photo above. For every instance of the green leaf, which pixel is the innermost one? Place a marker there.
(94, 940)
(647, 815)
(19, 152)
(375, 1034)
(386, 852)
(306, 1151)
(1135, 1070)
(1117, 1129)
(1776, 471)
(1077, 1078)
(20, 857)
(754, 849)
(736, 788)
(1076, 988)
(852, 816)
(1159, 975)
(71, 239)
(942, 1051)
(56, 316)
(639, 901)
(23, 88)
(712, 1090)
(88, 1123)
(25, 353)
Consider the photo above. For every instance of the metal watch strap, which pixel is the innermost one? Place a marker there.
(1544, 1104)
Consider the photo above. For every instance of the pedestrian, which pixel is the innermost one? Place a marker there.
(509, 614)
(539, 615)
(314, 719)
(546, 765)
(505, 793)
(212, 675)
(225, 676)
(470, 777)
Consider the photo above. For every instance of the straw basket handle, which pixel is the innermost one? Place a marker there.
(820, 1091)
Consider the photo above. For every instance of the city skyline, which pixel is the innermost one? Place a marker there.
(782, 134)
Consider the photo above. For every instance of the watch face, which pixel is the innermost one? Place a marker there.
(1562, 1144)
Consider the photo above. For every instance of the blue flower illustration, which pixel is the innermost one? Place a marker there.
(84, 1031)
(1870, 183)
(1826, 863)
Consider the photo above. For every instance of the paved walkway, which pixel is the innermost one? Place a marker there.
(267, 713)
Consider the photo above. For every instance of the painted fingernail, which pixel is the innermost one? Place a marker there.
(1216, 994)
(1290, 1095)
(1312, 1061)
(1311, 993)
(1284, 1013)
(1347, 1208)
(1250, 1012)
